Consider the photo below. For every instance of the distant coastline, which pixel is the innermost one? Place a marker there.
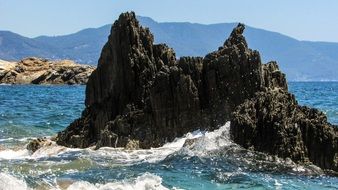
(34, 70)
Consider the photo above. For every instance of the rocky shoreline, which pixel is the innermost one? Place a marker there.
(34, 70)
(141, 96)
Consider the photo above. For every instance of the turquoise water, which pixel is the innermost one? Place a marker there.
(211, 162)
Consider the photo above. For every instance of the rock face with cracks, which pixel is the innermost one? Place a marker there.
(141, 96)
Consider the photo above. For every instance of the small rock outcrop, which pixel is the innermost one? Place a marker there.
(42, 71)
(38, 143)
(141, 96)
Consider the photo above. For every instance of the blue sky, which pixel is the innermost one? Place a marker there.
(315, 20)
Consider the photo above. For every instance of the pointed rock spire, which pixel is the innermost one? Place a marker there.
(236, 37)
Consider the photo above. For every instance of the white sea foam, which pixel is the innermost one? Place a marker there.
(9, 182)
(45, 151)
(9, 154)
(7, 139)
(48, 151)
(198, 143)
(145, 182)
(209, 142)
(25, 139)
(119, 155)
(205, 141)
(123, 156)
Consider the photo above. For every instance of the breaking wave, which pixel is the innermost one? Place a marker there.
(202, 144)
(146, 181)
(203, 147)
(9, 182)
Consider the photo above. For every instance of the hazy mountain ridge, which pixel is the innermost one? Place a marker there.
(300, 60)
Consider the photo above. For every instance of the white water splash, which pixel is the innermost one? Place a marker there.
(203, 143)
(198, 143)
(118, 155)
(9, 154)
(49, 151)
(45, 151)
(208, 142)
(123, 156)
(8, 182)
(145, 182)
(7, 139)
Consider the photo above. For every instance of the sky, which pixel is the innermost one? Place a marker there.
(314, 20)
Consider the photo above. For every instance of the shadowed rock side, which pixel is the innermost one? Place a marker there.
(140, 96)
(42, 71)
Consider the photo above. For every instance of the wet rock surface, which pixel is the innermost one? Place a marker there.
(141, 96)
(42, 71)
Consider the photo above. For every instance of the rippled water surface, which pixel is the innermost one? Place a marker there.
(212, 161)
(321, 95)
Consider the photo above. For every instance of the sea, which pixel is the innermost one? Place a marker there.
(212, 161)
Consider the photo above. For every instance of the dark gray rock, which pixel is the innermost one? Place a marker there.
(140, 96)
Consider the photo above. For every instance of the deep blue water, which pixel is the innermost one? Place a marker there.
(31, 111)
(213, 162)
(321, 95)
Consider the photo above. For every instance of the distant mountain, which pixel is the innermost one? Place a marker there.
(300, 60)
(84, 46)
(15, 47)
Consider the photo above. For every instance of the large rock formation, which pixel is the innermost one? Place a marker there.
(42, 71)
(140, 96)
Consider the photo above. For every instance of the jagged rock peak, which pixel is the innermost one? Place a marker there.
(236, 36)
(129, 17)
(133, 58)
(128, 29)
